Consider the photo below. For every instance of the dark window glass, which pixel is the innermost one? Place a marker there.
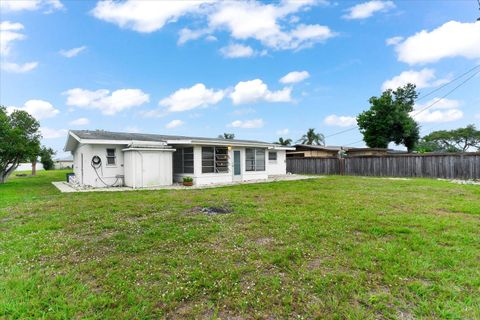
(250, 159)
(183, 160)
(259, 160)
(110, 156)
(214, 159)
(272, 156)
(254, 159)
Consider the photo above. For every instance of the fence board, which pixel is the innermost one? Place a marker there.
(448, 166)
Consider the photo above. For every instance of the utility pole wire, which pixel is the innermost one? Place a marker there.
(434, 103)
(445, 95)
(448, 83)
(419, 98)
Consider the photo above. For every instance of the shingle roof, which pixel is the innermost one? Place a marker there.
(107, 135)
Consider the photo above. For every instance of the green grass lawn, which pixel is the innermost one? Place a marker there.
(329, 248)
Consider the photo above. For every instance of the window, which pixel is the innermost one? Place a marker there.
(214, 160)
(254, 159)
(183, 160)
(272, 156)
(111, 157)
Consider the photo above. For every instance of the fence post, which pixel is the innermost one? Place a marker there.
(341, 166)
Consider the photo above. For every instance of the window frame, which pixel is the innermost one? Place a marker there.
(252, 164)
(273, 153)
(114, 157)
(220, 161)
(181, 153)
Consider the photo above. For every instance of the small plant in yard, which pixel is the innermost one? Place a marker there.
(188, 181)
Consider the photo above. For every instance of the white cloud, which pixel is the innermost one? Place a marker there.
(145, 16)
(72, 52)
(187, 34)
(255, 90)
(174, 123)
(191, 98)
(424, 78)
(49, 133)
(444, 110)
(267, 22)
(264, 23)
(30, 5)
(294, 77)
(108, 103)
(282, 132)
(247, 124)
(452, 39)
(477, 116)
(340, 121)
(237, 51)
(79, 122)
(393, 41)
(368, 9)
(9, 32)
(39, 109)
(19, 68)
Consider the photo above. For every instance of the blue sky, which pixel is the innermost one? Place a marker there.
(258, 69)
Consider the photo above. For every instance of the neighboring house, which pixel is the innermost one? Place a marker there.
(137, 160)
(359, 152)
(65, 163)
(314, 151)
(27, 166)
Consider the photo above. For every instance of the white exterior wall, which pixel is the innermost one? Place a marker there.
(28, 167)
(200, 178)
(148, 168)
(279, 166)
(108, 173)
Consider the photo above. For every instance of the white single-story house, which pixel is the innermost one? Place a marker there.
(63, 163)
(138, 160)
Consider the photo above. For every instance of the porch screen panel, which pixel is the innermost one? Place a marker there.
(208, 159)
(183, 160)
(259, 160)
(214, 160)
(250, 159)
(188, 160)
(254, 159)
(221, 159)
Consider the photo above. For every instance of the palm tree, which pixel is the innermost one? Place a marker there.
(311, 137)
(228, 136)
(284, 142)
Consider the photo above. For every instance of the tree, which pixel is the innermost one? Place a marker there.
(19, 140)
(311, 137)
(428, 146)
(228, 136)
(46, 155)
(458, 140)
(388, 119)
(284, 142)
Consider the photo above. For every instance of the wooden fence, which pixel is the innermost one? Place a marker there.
(449, 166)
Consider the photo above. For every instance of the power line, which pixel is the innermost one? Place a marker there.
(435, 102)
(448, 83)
(420, 98)
(340, 132)
(445, 95)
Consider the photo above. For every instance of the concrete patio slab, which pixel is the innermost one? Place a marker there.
(65, 187)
